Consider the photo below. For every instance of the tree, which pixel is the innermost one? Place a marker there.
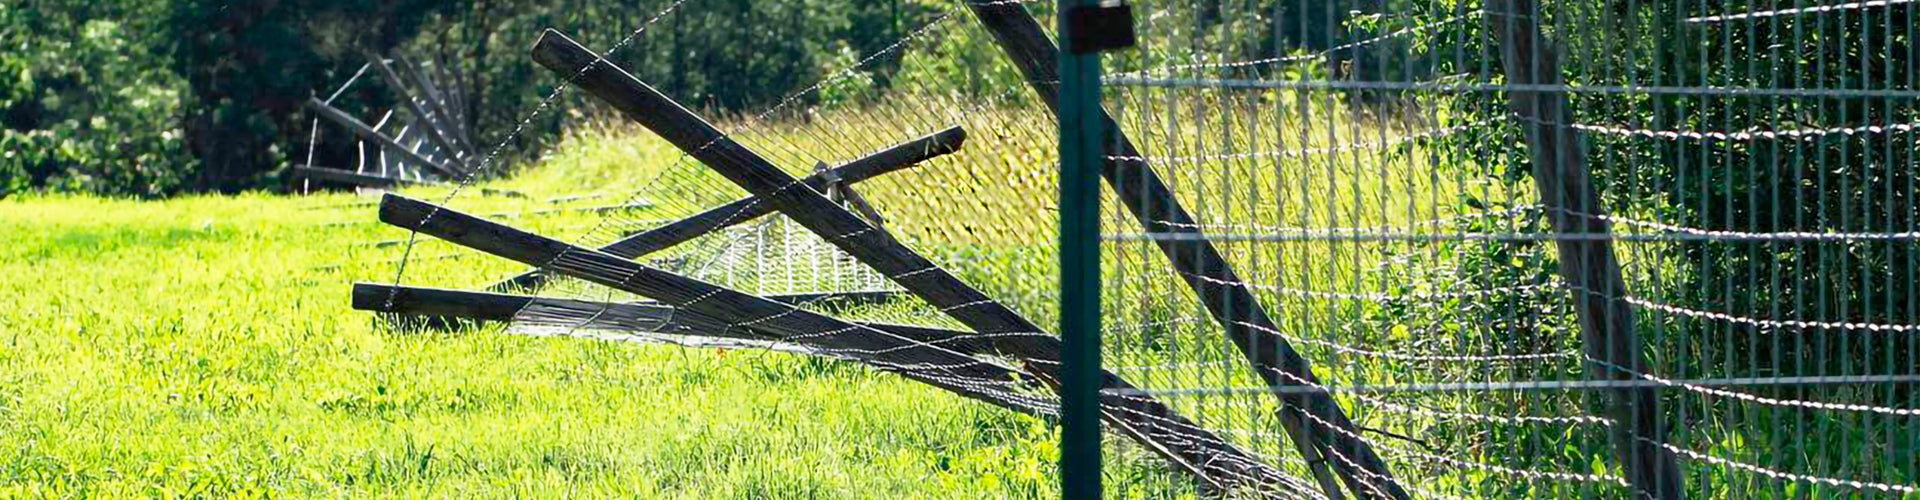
(83, 106)
(250, 65)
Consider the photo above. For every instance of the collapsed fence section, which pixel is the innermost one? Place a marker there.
(1373, 249)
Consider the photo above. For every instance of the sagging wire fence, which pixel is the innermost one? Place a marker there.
(1355, 249)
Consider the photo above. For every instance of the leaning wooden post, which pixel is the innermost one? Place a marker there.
(494, 306)
(355, 178)
(1212, 279)
(430, 89)
(1147, 421)
(651, 317)
(1588, 265)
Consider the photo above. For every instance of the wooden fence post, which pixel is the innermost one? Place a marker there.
(1588, 265)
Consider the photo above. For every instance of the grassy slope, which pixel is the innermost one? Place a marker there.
(200, 348)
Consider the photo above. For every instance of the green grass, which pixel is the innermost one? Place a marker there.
(203, 347)
(189, 349)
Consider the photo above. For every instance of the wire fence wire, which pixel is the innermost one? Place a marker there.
(1374, 172)
(1718, 305)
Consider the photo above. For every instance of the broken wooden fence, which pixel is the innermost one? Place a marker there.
(426, 140)
(1005, 359)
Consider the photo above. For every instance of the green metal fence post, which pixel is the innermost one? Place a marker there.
(1081, 130)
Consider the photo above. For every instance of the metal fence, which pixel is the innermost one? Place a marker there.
(1512, 249)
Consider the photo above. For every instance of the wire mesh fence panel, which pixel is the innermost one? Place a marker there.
(1531, 249)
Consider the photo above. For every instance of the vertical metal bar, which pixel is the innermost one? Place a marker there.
(1082, 126)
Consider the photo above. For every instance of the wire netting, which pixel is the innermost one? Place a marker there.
(1537, 250)
(1405, 248)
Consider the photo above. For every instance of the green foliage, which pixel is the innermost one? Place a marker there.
(151, 98)
(726, 56)
(1856, 182)
(84, 106)
(248, 68)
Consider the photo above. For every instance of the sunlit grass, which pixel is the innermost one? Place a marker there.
(203, 348)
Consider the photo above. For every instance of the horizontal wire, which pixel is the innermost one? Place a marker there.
(1530, 385)
(1796, 11)
(1232, 83)
(1779, 475)
(1530, 474)
(1382, 229)
(1298, 58)
(1716, 236)
(1792, 134)
(1364, 146)
(1694, 386)
(1754, 321)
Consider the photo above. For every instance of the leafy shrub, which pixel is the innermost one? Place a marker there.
(84, 107)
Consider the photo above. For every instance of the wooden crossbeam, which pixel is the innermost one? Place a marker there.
(1212, 279)
(366, 132)
(494, 306)
(356, 178)
(930, 363)
(747, 209)
(671, 324)
(1589, 266)
(1147, 421)
(641, 316)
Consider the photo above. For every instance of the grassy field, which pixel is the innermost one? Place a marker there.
(203, 348)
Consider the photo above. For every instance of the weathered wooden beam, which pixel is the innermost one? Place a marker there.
(500, 307)
(747, 209)
(1592, 272)
(365, 132)
(436, 125)
(776, 321)
(1167, 433)
(493, 306)
(356, 178)
(1207, 272)
(667, 323)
